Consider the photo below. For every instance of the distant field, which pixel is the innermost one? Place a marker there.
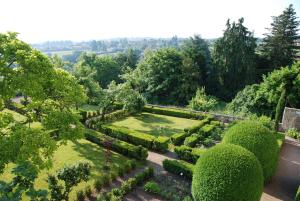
(154, 124)
(60, 53)
(71, 153)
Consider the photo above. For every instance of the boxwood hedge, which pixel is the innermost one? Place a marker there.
(227, 172)
(189, 154)
(258, 139)
(124, 148)
(179, 167)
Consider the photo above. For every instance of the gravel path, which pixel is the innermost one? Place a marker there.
(287, 179)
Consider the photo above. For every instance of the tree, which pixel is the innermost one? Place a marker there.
(201, 101)
(53, 94)
(279, 45)
(128, 58)
(196, 64)
(104, 68)
(234, 59)
(158, 76)
(71, 176)
(263, 98)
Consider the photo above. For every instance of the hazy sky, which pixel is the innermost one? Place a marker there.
(42, 20)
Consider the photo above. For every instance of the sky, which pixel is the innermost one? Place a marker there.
(78, 20)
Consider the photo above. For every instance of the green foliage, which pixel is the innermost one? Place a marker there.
(195, 66)
(129, 185)
(102, 69)
(71, 176)
(23, 182)
(293, 133)
(130, 136)
(124, 148)
(157, 74)
(152, 187)
(227, 172)
(280, 108)
(173, 112)
(297, 197)
(188, 154)
(197, 127)
(201, 101)
(178, 138)
(258, 139)
(161, 144)
(263, 98)
(178, 167)
(192, 140)
(279, 46)
(234, 60)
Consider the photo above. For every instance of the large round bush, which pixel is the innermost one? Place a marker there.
(227, 172)
(258, 139)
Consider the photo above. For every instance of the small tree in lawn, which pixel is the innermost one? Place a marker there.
(71, 176)
(202, 101)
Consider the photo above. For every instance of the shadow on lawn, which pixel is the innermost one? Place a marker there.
(96, 155)
(150, 118)
(159, 130)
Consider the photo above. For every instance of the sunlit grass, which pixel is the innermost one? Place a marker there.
(71, 153)
(157, 125)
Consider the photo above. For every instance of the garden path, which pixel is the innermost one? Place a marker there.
(287, 179)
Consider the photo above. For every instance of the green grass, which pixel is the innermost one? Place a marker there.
(71, 153)
(88, 107)
(157, 125)
(17, 117)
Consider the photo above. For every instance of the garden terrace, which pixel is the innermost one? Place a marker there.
(71, 153)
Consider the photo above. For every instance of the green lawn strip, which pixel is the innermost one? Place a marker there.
(71, 153)
(155, 124)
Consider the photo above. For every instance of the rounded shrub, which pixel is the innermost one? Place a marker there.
(258, 139)
(227, 172)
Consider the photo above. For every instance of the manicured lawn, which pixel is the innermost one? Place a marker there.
(154, 124)
(71, 153)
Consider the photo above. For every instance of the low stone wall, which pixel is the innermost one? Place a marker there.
(220, 117)
(291, 118)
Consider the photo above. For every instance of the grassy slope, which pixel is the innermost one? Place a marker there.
(71, 153)
(154, 124)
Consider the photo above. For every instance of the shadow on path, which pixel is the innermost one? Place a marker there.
(287, 179)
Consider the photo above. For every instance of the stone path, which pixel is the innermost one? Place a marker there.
(287, 179)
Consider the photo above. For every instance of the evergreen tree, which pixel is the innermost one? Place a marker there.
(234, 59)
(279, 44)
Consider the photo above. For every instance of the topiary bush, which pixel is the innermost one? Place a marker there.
(258, 139)
(227, 172)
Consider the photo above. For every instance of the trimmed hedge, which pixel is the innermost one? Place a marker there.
(127, 135)
(227, 172)
(161, 144)
(192, 140)
(258, 139)
(197, 127)
(174, 112)
(189, 154)
(178, 138)
(124, 148)
(116, 115)
(179, 167)
(138, 138)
